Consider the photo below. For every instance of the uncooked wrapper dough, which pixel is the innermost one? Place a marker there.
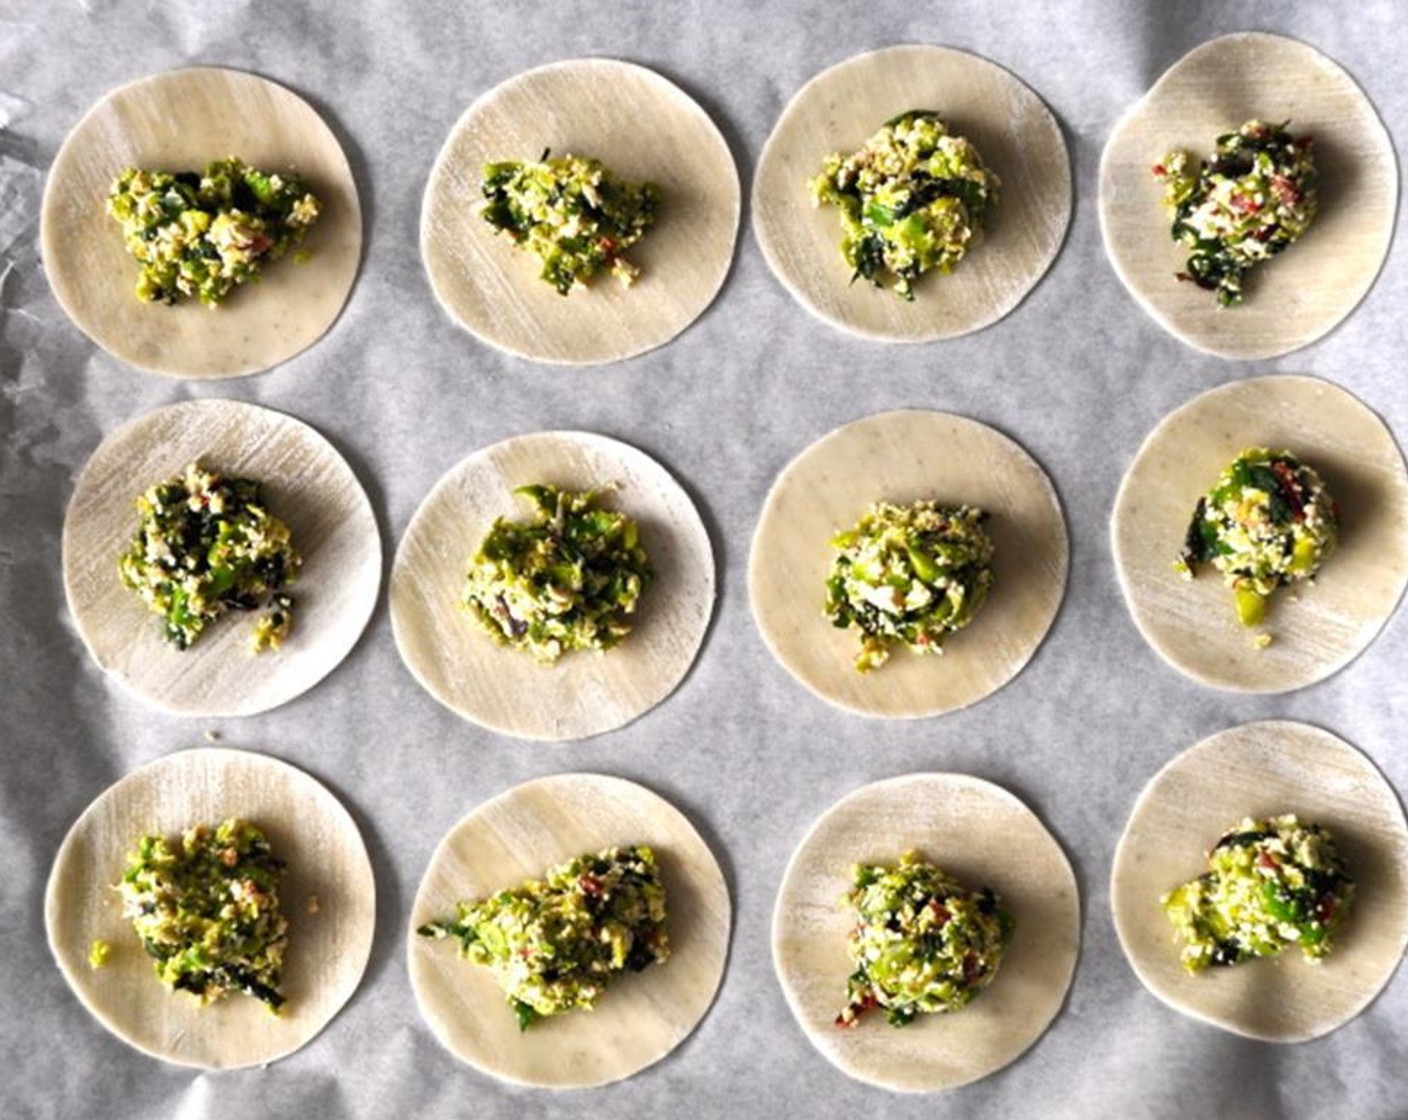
(982, 836)
(1304, 292)
(641, 1016)
(307, 484)
(1263, 770)
(644, 129)
(181, 121)
(585, 692)
(327, 951)
(902, 457)
(837, 111)
(1317, 628)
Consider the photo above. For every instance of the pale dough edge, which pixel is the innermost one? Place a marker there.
(228, 680)
(1318, 767)
(915, 688)
(1159, 296)
(797, 263)
(557, 817)
(339, 954)
(1277, 669)
(923, 1061)
(185, 351)
(434, 638)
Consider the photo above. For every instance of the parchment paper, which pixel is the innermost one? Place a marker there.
(1077, 374)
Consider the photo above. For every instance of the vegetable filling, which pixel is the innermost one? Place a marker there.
(912, 200)
(207, 544)
(567, 580)
(207, 911)
(1271, 884)
(201, 236)
(573, 214)
(1268, 521)
(909, 575)
(554, 944)
(1251, 200)
(922, 944)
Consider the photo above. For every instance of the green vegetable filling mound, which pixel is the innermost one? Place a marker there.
(554, 944)
(206, 544)
(567, 580)
(1267, 521)
(912, 200)
(203, 235)
(909, 575)
(1251, 200)
(922, 943)
(1271, 884)
(573, 214)
(207, 911)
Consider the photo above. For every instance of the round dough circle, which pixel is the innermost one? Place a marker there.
(978, 833)
(838, 110)
(902, 457)
(1305, 292)
(308, 485)
(603, 109)
(1256, 770)
(1317, 629)
(585, 693)
(502, 688)
(327, 950)
(517, 836)
(180, 121)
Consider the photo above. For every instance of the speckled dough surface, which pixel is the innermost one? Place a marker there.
(982, 836)
(181, 121)
(327, 950)
(902, 457)
(307, 484)
(1262, 770)
(1318, 627)
(580, 107)
(836, 111)
(1307, 290)
(640, 1017)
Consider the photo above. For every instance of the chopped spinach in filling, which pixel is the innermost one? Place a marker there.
(207, 911)
(912, 200)
(1270, 884)
(1267, 521)
(572, 213)
(203, 235)
(207, 544)
(909, 575)
(553, 944)
(567, 580)
(922, 942)
(1255, 196)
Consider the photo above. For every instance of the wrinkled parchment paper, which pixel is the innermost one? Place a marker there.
(1077, 374)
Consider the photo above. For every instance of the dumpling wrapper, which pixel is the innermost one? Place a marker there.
(585, 692)
(902, 457)
(640, 1017)
(1260, 770)
(1303, 293)
(837, 111)
(181, 121)
(644, 129)
(327, 950)
(982, 836)
(307, 485)
(1317, 628)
